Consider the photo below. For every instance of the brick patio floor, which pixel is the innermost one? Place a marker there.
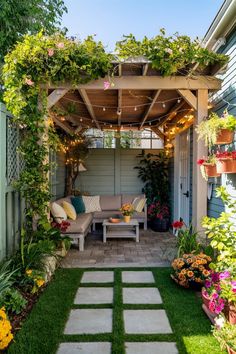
(154, 249)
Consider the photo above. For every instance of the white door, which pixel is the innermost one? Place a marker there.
(184, 170)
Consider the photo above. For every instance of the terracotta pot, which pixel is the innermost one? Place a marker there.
(225, 136)
(230, 350)
(127, 218)
(232, 314)
(160, 225)
(226, 166)
(210, 170)
(205, 300)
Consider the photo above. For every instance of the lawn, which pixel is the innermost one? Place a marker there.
(43, 330)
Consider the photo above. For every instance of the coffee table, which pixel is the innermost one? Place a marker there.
(121, 229)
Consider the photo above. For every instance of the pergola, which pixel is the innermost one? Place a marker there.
(138, 97)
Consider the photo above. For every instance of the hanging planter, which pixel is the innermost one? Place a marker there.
(210, 170)
(208, 167)
(224, 136)
(226, 162)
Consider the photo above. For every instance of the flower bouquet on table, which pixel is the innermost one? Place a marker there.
(191, 271)
(127, 211)
(158, 215)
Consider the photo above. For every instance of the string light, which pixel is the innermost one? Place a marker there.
(118, 112)
(179, 100)
(104, 109)
(135, 108)
(163, 105)
(81, 119)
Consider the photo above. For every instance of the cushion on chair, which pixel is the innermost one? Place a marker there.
(92, 203)
(110, 202)
(78, 204)
(69, 209)
(139, 204)
(58, 212)
(129, 198)
(80, 225)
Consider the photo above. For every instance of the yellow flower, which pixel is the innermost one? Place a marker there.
(29, 271)
(40, 282)
(3, 313)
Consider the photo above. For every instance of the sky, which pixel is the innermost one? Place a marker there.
(110, 19)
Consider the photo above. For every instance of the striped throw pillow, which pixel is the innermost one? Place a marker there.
(91, 203)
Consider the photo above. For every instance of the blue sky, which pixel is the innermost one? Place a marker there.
(110, 19)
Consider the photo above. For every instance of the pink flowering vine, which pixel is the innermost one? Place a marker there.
(50, 52)
(29, 82)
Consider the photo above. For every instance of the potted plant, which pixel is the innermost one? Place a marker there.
(217, 130)
(225, 333)
(127, 211)
(191, 270)
(158, 216)
(208, 166)
(226, 162)
(186, 238)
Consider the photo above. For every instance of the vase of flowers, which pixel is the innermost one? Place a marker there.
(127, 211)
(191, 271)
(158, 216)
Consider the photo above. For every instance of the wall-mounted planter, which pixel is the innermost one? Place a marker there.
(226, 165)
(210, 170)
(225, 136)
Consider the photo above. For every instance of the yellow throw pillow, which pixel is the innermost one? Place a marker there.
(70, 210)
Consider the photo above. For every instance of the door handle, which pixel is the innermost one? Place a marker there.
(186, 194)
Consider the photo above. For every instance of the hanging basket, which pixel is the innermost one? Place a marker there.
(225, 136)
(226, 166)
(210, 170)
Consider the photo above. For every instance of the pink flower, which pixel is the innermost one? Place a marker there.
(207, 283)
(29, 82)
(214, 296)
(106, 85)
(50, 52)
(60, 45)
(233, 283)
(214, 277)
(224, 275)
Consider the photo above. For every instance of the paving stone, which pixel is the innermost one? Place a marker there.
(98, 277)
(141, 296)
(85, 348)
(94, 296)
(146, 321)
(89, 321)
(151, 348)
(137, 277)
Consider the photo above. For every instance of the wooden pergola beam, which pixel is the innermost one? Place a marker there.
(86, 100)
(149, 83)
(55, 96)
(64, 125)
(171, 114)
(150, 107)
(145, 69)
(119, 106)
(68, 116)
(189, 97)
(158, 132)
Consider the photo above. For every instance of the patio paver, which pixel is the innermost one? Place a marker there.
(85, 348)
(84, 321)
(151, 348)
(98, 277)
(137, 277)
(94, 296)
(141, 296)
(146, 321)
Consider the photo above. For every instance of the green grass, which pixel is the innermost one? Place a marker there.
(43, 330)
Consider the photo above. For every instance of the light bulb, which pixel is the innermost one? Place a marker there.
(104, 109)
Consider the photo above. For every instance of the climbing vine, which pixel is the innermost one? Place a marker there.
(40, 60)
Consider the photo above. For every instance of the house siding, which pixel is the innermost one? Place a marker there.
(225, 99)
(171, 186)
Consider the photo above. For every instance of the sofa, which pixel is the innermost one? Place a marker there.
(110, 205)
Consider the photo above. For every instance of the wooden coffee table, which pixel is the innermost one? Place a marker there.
(121, 229)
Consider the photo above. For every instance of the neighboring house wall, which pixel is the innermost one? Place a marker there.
(11, 205)
(225, 99)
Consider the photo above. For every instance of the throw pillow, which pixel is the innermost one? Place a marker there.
(139, 204)
(92, 203)
(58, 212)
(70, 210)
(78, 204)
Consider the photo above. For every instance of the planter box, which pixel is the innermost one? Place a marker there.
(210, 170)
(226, 166)
(225, 136)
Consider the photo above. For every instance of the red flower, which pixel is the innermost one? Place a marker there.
(200, 161)
(177, 224)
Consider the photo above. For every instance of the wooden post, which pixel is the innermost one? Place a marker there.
(2, 181)
(199, 206)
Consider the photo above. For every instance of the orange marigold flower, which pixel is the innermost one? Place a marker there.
(194, 265)
(189, 260)
(201, 268)
(190, 274)
(206, 272)
(181, 277)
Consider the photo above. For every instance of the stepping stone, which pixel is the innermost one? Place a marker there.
(85, 348)
(98, 277)
(137, 277)
(83, 321)
(146, 321)
(151, 348)
(94, 296)
(141, 296)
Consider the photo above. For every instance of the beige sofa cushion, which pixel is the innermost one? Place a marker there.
(129, 198)
(81, 224)
(110, 202)
(106, 214)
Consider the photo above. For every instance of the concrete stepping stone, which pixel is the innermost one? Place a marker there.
(85, 348)
(141, 296)
(83, 321)
(94, 296)
(137, 277)
(98, 277)
(151, 348)
(146, 321)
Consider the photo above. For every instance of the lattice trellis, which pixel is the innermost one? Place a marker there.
(13, 163)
